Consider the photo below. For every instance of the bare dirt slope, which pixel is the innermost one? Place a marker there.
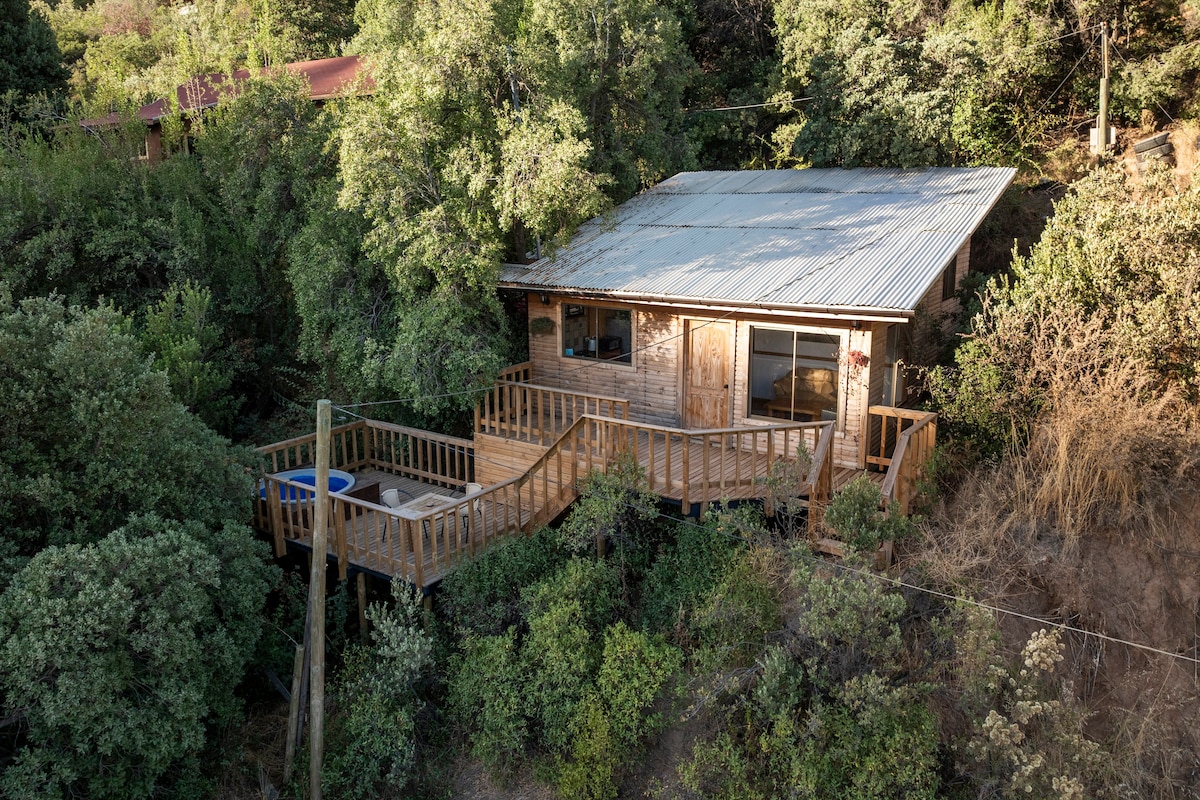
(1140, 586)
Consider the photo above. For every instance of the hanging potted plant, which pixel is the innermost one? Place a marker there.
(540, 326)
(855, 361)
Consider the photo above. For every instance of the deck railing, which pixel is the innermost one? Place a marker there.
(417, 549)
(907, 439)
(429, 457)
(412, 453)
(516, 408)
(703, 466)
(697, 466)
(348, 450)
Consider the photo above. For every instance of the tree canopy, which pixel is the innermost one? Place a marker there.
(29, 56)
(131, 590)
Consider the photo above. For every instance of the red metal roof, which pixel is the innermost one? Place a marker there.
(327, 77)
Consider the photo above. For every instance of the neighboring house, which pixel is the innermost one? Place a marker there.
(327, 78)
(720, 299)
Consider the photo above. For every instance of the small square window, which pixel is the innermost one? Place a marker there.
(597, 332)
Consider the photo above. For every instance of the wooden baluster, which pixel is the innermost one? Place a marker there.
(275, 504)
(336, 510)
(686, 474)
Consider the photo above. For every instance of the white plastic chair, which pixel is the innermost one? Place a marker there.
(467, 512)
(394, 498)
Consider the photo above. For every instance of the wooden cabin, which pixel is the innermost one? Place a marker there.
(740, 299)
(711, 328)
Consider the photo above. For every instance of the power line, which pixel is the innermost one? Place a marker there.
(1128, 64)
(751, 105)
(1046, 102)
(1039, 43)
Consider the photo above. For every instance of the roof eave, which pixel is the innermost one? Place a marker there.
(864, 313)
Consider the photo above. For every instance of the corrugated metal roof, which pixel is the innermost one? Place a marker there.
(869, 239)
(327, 77)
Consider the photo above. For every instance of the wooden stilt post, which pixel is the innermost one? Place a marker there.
(293, 733)
(316, 593)
(362, 605)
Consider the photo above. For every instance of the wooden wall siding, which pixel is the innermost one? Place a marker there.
(933, 312)
(651, 383)
(499, 459)
(654, 383)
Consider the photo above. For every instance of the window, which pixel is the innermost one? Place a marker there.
(793, 374)
(895, 389)
(950, 280)
(597, 332)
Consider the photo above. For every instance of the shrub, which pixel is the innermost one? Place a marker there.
(119, 656)
(685, 571)
(615, 506)
(483, 596)
(871, 741)
(846, 624)
(486, 698)
(829, 711)
(94, 437)
(373, 743)
(589, 583)
(735, 617)
(854, 515)
(1026, 737)
(595, 754)
(633, 671)
(560, 657)
(521, 687)
(784, 492)
(613, 717)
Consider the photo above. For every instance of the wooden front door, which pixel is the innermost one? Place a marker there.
(707, 374)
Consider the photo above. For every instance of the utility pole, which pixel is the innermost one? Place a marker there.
(1102, 119)
(316, 595)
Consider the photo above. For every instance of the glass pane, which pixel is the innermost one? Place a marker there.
(799, 383)
(593, 332)
(615, 331)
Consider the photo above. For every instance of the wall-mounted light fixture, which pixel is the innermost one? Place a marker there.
(545, 299)
(856, 324)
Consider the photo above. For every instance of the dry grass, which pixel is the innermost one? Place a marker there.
(1108, 445)
(1110, 452)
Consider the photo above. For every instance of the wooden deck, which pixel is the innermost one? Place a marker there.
(379, 541)
(694, 468)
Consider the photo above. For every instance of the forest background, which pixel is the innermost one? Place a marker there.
(287, 251)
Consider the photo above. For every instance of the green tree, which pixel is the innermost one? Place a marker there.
(29, 57)
(623, 65)
(95, 436)
(732, 43)
(181, 336)
(118, 657)
(872, 105)
(495, 126)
